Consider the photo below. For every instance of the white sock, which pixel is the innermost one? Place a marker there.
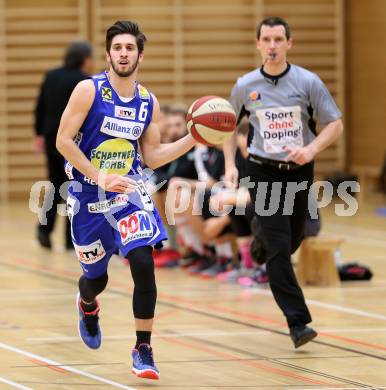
(190, 238)
(224, 250)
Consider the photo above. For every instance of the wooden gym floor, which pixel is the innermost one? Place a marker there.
(207, 335)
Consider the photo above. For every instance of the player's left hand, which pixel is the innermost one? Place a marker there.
(221, 199)
(300, 155)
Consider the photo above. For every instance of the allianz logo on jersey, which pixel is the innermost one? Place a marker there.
(122, 129)
(124, 112)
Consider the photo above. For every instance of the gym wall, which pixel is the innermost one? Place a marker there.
(195, 48)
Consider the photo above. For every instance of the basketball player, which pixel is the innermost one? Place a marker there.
(281, 101)
(106, 120)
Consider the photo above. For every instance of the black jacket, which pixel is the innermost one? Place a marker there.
(54, 95)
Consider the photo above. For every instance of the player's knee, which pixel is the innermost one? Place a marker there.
(144, 303)
(145, 289)
(209, 233)
(142, 268)
(90, 288)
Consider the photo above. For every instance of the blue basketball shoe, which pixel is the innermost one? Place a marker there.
(88, 326)
(143, 362)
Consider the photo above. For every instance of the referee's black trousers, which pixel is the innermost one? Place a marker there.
(282, 233)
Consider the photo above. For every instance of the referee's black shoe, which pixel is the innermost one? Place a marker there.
(44, 239)
(301, 334)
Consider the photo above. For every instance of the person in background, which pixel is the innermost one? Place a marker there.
(54, 94)
(183, 167)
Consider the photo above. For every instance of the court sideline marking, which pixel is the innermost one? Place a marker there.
(67, 368)
(66, 275)
(175, 306)
(31, 266)
(14, 384)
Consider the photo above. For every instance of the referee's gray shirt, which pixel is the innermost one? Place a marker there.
(281, 110)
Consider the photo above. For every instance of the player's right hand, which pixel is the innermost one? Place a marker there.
(231, 177)
(113, 182)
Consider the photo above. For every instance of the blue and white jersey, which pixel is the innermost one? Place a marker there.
(104, 223)
(109, 135)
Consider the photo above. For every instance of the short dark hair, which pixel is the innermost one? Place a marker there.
(165, 109)
(125, 27)
(76, 53)
(272, 22)
(178, 109)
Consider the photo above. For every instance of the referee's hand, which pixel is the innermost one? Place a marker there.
(231, 177)
(299, 155)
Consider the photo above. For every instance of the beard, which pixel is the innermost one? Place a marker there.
(126, 73)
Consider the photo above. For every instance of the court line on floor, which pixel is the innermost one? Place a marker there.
(283, 325)
(14, 384)
(129, 337)
(70, 339)
(273, 369)
(345, 388)
(330, 306)
(172, 305)
(262, 366)
(64, 274)
(349, 310)
(284, 358)
(279, 362)
(64, 367)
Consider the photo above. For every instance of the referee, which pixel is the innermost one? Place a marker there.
(281, 101)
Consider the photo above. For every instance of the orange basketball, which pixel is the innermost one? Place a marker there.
(211, 120)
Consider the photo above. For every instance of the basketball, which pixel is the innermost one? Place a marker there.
(211, 120)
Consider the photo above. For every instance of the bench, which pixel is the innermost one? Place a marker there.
(316, 262)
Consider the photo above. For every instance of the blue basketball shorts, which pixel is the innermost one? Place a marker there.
(110, 224)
